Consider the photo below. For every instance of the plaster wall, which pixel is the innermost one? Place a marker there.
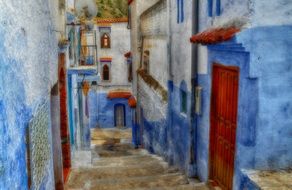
(120, 44)
(102, 110)
(262, 135)
(273, 70)
(153, 20)
(251, 13)
(155, 40)
(155, 109)
(181, 57)
(271, 13)
(137, 8)
(158, 64)
(154, 30)
(154, 118)
(28, 69)
(181, 69)
(231, 12)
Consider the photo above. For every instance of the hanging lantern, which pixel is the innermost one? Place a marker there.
(85, 88)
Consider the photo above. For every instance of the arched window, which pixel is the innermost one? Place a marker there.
(105, 73)
(105, 41)
(146, 61)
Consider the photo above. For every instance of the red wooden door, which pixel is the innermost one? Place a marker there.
(224, 104)
(65, 138)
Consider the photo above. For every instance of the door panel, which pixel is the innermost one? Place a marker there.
(224, 104)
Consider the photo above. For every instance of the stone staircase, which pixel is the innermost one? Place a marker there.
(118, 166)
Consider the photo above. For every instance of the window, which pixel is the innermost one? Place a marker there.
(180, 11)
(183, 97)
(146, 60)
(218, 7)
(105, 41)
(211, 8)
(105, 73)
(183, 101)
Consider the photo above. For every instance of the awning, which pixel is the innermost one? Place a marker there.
(214, 36)
(124, 95)
(119, 94)
(132, 102)
(105, 59)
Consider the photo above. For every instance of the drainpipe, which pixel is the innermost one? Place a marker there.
(194, 72)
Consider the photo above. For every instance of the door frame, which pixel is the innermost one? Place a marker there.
(115, 114)
(211, 132)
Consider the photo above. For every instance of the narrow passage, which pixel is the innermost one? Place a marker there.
(118, 166)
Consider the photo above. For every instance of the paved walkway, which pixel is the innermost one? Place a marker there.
(117, 166)
(271, 180)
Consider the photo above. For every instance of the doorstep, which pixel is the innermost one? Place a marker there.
(270, 180)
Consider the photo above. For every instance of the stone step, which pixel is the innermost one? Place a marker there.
(117, 165)
(126, 160)
(145, 162)
(165, 180)
(177, 187)
(115, 150)
(108, 172)
(201, 186)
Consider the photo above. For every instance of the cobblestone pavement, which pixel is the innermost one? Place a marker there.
(117, 166)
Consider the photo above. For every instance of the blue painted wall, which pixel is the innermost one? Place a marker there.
(179, 129)
(229, 53)
(28, 67)
(264, 110)
(13, 151)
(270, 49)
(170, 137)
(102, 110)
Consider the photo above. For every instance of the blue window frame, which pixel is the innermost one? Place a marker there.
(218, 7)
(210, 8)
(180, 11)
(211, 5)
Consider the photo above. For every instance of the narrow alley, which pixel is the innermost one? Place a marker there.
(146, 95)
(117, 165)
